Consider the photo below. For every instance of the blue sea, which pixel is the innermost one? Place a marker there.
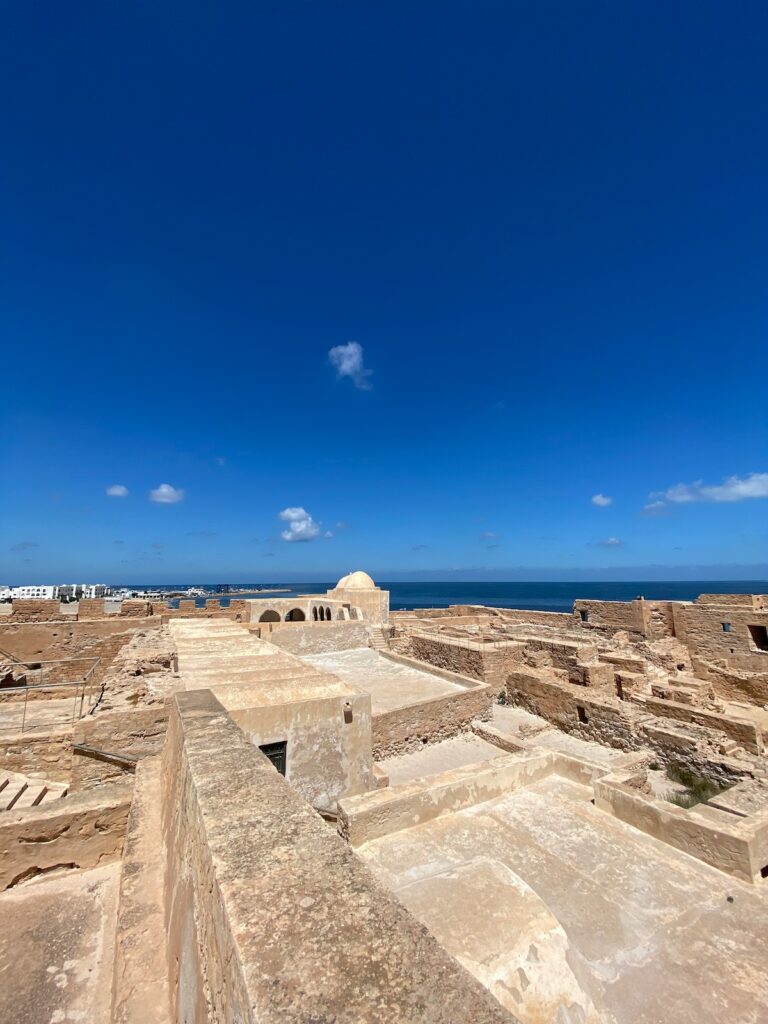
(547, 597)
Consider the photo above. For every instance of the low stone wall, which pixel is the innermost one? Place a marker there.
(378, 814)
(736, 845)
(486, 661)
(270, 916)
(80, 831)
(319, 637)
(734, 681)
(562, 620)
(622, 725)
(48, 754)
(430, 721)
(601, 719)
(745, 733)
(137, 733)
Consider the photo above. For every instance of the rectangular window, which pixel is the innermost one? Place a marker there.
(277, 754)
(759, 637)
(726, 627)
(582, 713)
(584, 614)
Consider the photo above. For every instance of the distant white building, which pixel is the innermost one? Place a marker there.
(44, 592)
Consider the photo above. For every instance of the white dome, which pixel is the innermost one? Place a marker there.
(356, 581)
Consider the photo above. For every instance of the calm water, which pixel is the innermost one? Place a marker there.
(548, 597)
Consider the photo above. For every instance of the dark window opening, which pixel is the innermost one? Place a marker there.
(726, 627)
(584, 614)
(764, 872)
(582, 713)
(759, 636)
(277, 754)
(619, 690)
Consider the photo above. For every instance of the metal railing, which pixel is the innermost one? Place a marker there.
(82, 699)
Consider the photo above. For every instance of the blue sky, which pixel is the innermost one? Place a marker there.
(544, 226)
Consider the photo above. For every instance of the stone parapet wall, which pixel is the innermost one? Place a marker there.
(270, 916)
(429, 721)
(373, 815)
(561, 620)
(318, 637)
(736, 845)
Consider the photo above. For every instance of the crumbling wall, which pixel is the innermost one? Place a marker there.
(132, 734)
(48, 753)
(76, 832)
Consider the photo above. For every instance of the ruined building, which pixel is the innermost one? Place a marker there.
(309, 809)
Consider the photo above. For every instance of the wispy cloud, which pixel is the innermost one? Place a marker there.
(601, 500)
(117, 491)
(419, 547)
(166, 495)
(347, 360)
(733, 488)
(301, 526)
(24, 545)
(118, 542)
(202, 533)
(611, 542)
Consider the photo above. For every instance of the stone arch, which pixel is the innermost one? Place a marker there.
(328, 615)
(295, 615)
(314, 613)
(270, 615)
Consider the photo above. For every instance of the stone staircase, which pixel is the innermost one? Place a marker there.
(18, 792)
(379, 638)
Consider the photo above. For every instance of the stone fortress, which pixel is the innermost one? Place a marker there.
(309, 809)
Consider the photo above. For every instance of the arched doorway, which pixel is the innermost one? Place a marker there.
(295, 615)
(269, 616)
(314, 614)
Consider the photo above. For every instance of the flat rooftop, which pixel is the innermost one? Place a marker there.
(552, 903)
(57, 948)
(390, 684)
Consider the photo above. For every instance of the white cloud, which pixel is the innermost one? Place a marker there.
(166, 495)
(654, 508)
(601, 500)
(611, 542)
(733, 488)
(301, 525)
(348, 362)
(117, 491)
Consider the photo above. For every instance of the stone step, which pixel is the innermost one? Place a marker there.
(11, 794)
(32, 796)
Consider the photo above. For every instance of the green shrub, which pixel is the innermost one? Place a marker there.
(697, 788)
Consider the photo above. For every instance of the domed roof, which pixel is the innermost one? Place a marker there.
(356, 581)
